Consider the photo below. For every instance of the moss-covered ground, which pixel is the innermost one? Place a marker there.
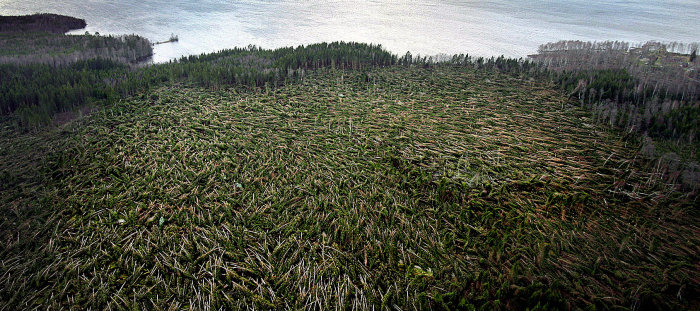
(395, 188)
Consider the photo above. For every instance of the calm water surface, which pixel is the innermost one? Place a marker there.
(484, 28)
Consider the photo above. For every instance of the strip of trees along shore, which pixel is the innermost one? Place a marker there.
(651, 88)
(62, 50)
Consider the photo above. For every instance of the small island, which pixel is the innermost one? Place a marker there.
(52, 23)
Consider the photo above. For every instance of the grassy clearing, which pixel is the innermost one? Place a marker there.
(398, 188)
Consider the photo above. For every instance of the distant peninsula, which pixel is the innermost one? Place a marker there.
(41, 39)
(52, 23)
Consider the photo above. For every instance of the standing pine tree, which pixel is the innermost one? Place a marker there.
(693, 55)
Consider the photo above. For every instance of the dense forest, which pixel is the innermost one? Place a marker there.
(649, 88)
(60, 49)
(41, 39)
(40, 23)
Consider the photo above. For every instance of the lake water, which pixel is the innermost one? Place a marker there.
(510, 27)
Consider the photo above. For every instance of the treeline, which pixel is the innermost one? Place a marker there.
(644, 88)
(620, 100)
(35, 92)
(570, 45)
(520, 68)
(62, 50)
(40, 23)
(336, 55)
(652, 89)
(651, 64)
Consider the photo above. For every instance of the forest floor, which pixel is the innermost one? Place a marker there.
(402, 188)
